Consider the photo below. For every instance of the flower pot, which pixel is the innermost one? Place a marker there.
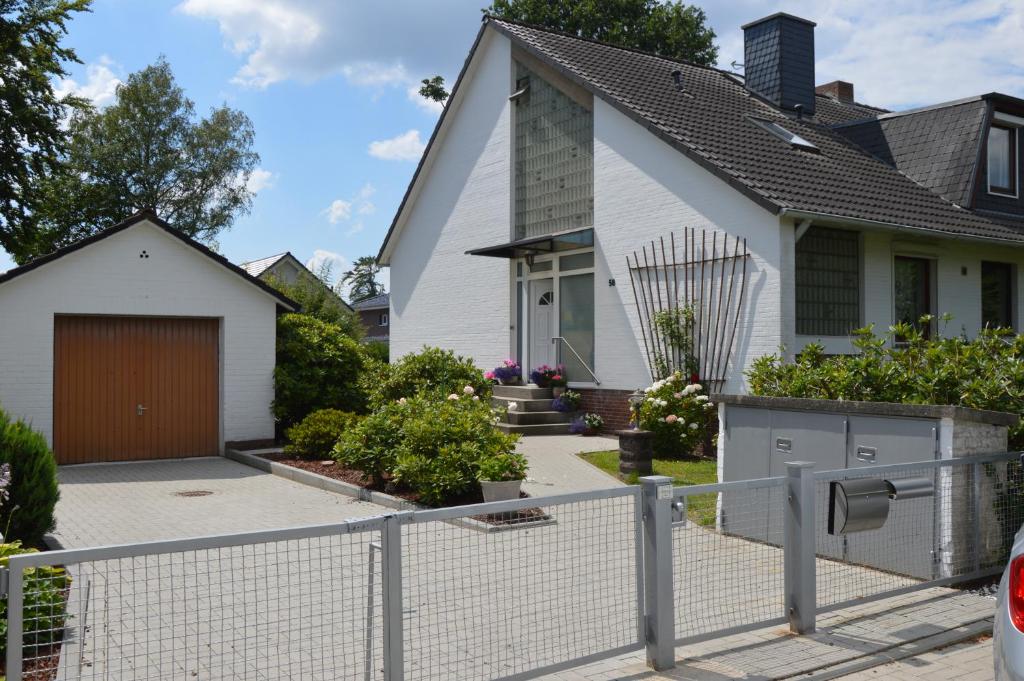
(503, 490)
(558, 390)
(589, 432)
(510, 381)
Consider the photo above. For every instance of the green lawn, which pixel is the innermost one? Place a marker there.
(700, 508)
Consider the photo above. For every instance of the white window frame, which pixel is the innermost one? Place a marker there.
(382, 319)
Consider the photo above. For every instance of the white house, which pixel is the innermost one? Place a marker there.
(138, 343)
(559, 157)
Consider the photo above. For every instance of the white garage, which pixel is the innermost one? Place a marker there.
(138, 343)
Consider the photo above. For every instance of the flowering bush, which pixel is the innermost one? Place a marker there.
(567, 402)
(429, 444)
(593, 421)
(677, 413)
(502, 467)
(432, 370)
(508, 372)
(577, 426)
(543, 374)
(558, 381)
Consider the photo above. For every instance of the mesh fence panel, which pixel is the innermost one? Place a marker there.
(966, 527)
(552, 585)
(305, 608)
(728, 561)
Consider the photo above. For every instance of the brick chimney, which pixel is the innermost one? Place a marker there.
(778, 60)
(837, 89)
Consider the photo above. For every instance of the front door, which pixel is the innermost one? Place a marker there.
(542, 322)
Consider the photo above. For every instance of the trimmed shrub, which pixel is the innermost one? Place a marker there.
(315, 436)
(28, 512)
(44, 607)
(986, 372)
(378, 351)
(318, 367)
(431, 371)
(431, 445)
(676, 411)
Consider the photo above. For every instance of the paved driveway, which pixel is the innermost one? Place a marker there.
(120, 503)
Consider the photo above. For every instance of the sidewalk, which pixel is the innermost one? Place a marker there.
(555, 467)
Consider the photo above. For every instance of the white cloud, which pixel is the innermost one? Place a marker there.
(338, 210)
(355, 229)
(900, 53)
(337, 261)
(405, 147)
(309, 39)
(99, 87)
(259, 180)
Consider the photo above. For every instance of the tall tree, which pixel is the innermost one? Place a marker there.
(149, 150)
(669, 28)
(362, 279)
(31, 114)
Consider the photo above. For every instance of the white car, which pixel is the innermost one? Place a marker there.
(1008, 632)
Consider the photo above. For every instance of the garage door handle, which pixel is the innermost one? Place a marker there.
(866, 454)
(139, 409)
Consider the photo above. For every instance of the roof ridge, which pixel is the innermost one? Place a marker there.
(594, 41)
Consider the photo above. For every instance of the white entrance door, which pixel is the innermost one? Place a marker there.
(542, 322)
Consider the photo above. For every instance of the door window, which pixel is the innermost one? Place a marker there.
(913, 290)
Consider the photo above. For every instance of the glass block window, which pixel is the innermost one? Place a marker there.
(554, 159)
(827, 282)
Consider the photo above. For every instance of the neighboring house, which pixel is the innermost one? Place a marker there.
(138, 343)
(559, 157)
(375, 314)
(287, 268)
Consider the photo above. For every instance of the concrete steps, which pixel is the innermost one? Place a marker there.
(533, 414)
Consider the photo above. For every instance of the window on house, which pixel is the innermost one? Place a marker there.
(912, 290)
(554, 159)
(382, 320)
(997, 283)
(827, 282)
(1002, 160)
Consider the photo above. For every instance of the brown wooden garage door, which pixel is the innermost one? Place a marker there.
(129, 388)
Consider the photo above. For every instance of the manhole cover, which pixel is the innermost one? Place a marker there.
(194, 493)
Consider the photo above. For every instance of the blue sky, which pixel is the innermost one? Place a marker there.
(327, 85)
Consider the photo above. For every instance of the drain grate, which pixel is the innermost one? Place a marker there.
(194, 493)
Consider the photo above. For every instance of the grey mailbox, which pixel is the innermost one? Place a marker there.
(862, 504)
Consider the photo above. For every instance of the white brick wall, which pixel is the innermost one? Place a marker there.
(439, 295)
(109, 278)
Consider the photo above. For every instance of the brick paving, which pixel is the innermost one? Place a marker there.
(555, 467)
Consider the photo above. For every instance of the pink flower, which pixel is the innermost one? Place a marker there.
(489, 375)
(468, 390)
(453, 396)
(671, 418)
(678, 396)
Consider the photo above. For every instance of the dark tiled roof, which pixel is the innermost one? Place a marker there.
(833, 112)
(376, 302)
(937, 147)
(710, 123)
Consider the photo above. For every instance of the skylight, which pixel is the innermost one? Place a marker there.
(785, 135)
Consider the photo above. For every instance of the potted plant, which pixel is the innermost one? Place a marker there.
(567, 402)
(501, 476)
(542, 375)
(593, 423)
(558, 384)
(509, 373)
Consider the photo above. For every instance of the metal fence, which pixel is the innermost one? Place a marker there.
(512, 590)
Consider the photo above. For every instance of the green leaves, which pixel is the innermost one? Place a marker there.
(905, 366)
(28, 514)
(362, 279)
(315, 436)
(147, 150)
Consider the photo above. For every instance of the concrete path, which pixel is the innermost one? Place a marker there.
(969, 661)
(102, 504)
(555, 468)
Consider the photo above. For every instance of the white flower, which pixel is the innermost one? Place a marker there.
(708, 405)
(402, 400)
(702, 398)
(468, 390)
(697, 387)
(677, 395)
(453, 396)
(476, 398)
(693, 426)
(512, 406)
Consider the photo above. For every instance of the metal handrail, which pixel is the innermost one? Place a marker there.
(578, 358)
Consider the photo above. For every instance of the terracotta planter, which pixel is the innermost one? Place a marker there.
(503, 490)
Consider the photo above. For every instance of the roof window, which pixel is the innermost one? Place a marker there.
(785, 135)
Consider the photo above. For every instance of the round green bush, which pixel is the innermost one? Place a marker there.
(432, 370)
(315, 436)
(432, 446)
(27, 514)
(318, 367)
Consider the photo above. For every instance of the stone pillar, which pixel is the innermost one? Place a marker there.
(636, 451)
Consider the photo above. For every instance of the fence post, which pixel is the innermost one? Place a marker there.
(15, 615)
(391, 563)
(976, 472)
(659, 603)
(799, 549)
